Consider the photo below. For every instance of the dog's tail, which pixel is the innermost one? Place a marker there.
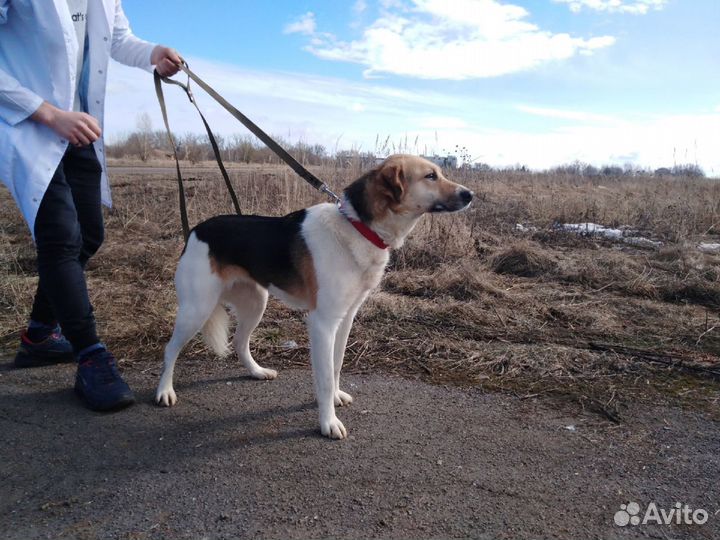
(215, 331)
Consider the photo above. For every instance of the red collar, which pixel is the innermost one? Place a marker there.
(363, 229)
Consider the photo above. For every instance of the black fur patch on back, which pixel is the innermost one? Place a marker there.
(356, 193)
(268, 248)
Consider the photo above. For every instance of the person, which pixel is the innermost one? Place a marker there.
(54, 57)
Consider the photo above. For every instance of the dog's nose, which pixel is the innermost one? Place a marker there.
(466, 196)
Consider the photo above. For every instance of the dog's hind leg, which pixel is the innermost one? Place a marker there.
(190, 320)
(198, 291)
(248, 301)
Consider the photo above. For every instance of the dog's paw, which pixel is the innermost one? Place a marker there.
(342, 398)
(166, 398)
(333, 428)
(264, 374)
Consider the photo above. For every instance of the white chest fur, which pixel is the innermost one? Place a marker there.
(347, 265)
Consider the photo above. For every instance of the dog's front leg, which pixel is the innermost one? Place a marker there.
(341, 398)
(341, 338)
(322, 329)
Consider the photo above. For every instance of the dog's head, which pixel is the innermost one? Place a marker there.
(408, 185)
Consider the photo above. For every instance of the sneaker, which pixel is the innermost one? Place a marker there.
(99, 384)
(54, 349)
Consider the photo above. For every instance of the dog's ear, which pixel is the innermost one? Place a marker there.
(392, 182)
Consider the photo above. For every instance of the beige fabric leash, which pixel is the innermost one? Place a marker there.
(295, 165)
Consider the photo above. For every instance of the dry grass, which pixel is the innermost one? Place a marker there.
(467, 300)
(523, 260)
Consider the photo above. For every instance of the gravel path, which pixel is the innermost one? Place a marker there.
(242, 458)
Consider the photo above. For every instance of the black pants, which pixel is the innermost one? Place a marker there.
(68, 231)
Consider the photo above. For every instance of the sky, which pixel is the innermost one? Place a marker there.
(518, 82)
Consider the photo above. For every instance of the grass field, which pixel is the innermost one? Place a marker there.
(468, 300)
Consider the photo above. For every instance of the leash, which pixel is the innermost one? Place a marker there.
(295, 165)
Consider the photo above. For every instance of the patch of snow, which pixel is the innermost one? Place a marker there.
(592, 229)
(639, 241)
(709, 247)
(624, 234)
(618, 235)
(525, 228)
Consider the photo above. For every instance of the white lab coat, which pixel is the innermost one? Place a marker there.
(38, 48)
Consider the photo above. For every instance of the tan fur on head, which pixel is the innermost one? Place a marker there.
(414, 185)
(391, 178)
(394, 195)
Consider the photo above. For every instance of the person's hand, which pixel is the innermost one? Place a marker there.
(166, 60)
(80, 129)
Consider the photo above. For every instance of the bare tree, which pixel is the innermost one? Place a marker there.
(145, 136)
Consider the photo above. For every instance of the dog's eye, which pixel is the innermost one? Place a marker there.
(431, 176)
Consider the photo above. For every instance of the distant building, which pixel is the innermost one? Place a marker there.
(446, 162)
(482, 167)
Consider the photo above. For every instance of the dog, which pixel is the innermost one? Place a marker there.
(325, 259)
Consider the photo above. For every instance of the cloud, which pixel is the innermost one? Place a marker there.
(641, 144)
(564, 114)
(343, 114)
(634, 7)
(649, 142)
(304, 25)
(316, 110)
(452, 39)
(360, 6)
(442, 122)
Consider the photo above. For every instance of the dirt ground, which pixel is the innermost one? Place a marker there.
(241, 458)
(585, 377)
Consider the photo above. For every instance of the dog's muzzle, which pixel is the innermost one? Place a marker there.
(461, 200)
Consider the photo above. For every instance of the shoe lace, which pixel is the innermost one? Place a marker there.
(104, 367)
